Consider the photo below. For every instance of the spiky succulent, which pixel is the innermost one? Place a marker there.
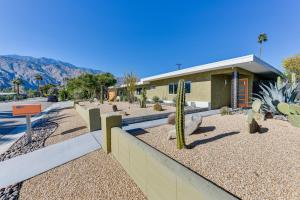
(273, 94)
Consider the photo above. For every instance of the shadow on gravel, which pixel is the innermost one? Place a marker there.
(263, 130)
(72, 130)
(217, 137)
(205, 129)
(137, 131)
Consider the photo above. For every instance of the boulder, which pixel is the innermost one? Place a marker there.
(253, 127)
(171, 118)
(157, 107)
(115, 108)
(192, 123)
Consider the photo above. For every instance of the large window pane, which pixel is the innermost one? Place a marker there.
(188, 87)
(171, 88)
(138, 91)
(175, 88)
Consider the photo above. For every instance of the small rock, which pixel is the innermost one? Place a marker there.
(171, 118)
(115, 108)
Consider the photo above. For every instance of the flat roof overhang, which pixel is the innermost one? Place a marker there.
(250, 63)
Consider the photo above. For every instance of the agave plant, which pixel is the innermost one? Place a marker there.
(273, 94)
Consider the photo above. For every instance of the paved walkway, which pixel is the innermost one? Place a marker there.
(6, 140)
(29, 165)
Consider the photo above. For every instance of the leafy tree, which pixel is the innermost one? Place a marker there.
(103, 82)
(292, 65)
(45, 89)
(130, 82)
(63, 94)
(261, 39)
(87, 86)
(38, 78)
(31, 93)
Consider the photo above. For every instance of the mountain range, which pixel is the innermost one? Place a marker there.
(26, 67)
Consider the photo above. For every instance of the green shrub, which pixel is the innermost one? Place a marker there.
(155, 99)
(63, 95)
(225, 111)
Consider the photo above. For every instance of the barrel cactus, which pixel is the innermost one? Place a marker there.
(292, 111)
(180, 125)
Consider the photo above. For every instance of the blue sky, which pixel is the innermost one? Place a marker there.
(148, 37)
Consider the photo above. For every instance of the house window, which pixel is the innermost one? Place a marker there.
(152, 87)
(173, 87)
(139, 91)
(187, 87)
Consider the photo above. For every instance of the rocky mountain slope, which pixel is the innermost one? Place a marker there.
(26, 67)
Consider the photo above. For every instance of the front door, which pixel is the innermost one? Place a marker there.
(243, 97)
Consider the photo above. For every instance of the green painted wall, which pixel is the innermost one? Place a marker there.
(200, 87)
(157, 175)
(220, 90)
(207, 86)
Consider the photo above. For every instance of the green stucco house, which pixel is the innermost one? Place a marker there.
(224, 83)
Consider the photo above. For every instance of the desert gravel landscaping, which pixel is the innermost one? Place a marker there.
(131, 110)
(94, 176)
(70, 125)
(251, 166)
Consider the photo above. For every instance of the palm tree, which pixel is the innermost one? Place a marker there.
(261, 39)
(14, 82)
(39, 78)
(18, 82)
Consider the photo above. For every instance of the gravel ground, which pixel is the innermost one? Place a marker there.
(94, 176)
(132, 110)
(252, 166)
(70, 126)
(39, 134)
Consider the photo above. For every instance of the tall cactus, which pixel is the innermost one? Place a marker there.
(101, 94)
(180, 125)
(143, 99)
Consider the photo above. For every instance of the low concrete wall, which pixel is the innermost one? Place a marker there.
(157, 175)
(91, 116)
(132, 120)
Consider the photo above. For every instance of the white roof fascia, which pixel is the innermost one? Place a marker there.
(213, 66)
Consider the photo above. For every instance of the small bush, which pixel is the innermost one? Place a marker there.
(225, 111)
(155, 99)
(63, 95)
(157, 107)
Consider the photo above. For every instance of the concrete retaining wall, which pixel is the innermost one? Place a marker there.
(132, 120)
(157, 175)
(91, 116)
